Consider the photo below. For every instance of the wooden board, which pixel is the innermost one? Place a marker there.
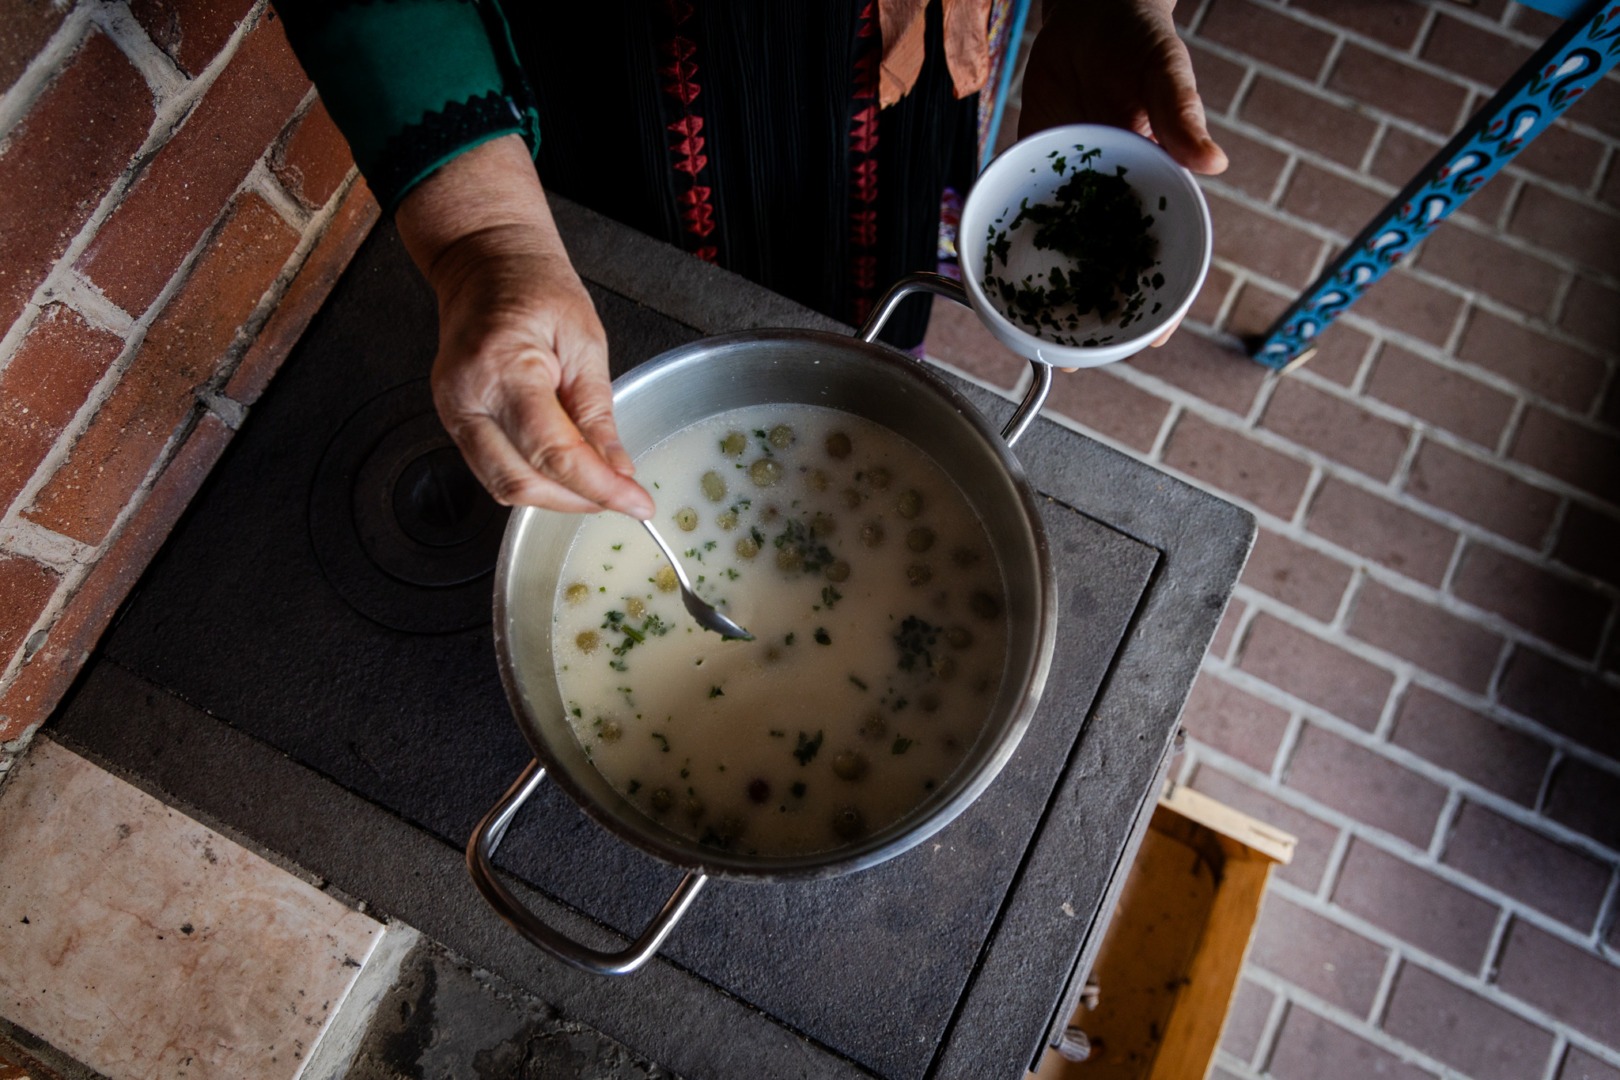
(1170, 960)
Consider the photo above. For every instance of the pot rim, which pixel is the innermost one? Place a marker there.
(911, 829)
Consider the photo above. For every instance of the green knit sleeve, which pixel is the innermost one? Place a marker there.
(411, 83)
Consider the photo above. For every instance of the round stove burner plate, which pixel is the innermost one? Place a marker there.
(402, 529)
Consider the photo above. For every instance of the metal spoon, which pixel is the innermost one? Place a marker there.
(705, 614)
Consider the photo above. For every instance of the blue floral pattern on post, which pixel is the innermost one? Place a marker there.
(1574, 58)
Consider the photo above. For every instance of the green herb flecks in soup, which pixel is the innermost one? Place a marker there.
(879, 622)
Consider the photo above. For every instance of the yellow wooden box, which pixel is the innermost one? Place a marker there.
(1169, 962)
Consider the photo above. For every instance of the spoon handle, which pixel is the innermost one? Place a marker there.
(669, 553)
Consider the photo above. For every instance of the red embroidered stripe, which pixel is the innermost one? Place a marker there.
(687, 159)
(863, 139)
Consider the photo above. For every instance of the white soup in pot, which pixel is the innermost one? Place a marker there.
(879, 618)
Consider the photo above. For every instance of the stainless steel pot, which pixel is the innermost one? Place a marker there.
(681, 388)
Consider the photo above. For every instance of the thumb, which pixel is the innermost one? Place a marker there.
(1177, 112)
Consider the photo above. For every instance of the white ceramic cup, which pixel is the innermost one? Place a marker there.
(1026, 170)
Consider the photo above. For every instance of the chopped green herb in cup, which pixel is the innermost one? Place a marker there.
(1095, 221)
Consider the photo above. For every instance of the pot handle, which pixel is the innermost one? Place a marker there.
(480, 853)
(940, 285)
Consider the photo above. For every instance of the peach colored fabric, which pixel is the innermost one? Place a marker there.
(967, 45)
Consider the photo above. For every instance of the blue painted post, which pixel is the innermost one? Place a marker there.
(1573, 58)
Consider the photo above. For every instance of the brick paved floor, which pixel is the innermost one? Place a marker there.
(1420, 672)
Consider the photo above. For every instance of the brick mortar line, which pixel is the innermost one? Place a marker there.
(1509, 907)
(79, 294)
(47, 547)
(1384, 726)
(1492, 992)
(1408, 261)
(1241, 631)
(1560, 517)
(1333, 867)
(1555, 1064)
(1378, 1011)
(1448, 576)
(1510, 433)
(1363, 177)
(1444, 825)
(1402, 473)
(1462, 216)
(1279, 187)
(1410, 762)
(1264, 437)
(262, 178)
(70, 582)
(977, 380)
(1286, 746)
(1267, 1042)
(1425, 30)
(1363, 173)
(316, 226)
(1606, 163)
(264, 183)
(80, 422)
(1489, 964)
(1448, 602)
(1563, 289)
(1348, 599)
(1340, 1017)
(40, 72)
(1294, 524)
(1525, 246)
(1263, 395)
(1401, 669)
(1606, 386)
(1293, 529)
(66, 587)
(1196, 19)
(1241, 278)
(1335, 51)
(1228, 301)
(1373, 45)
(1447, 360)
(162, 75)
(1607, 636)
(1608, 912)
(169, 116)
(1493, 682)
(1464, 318)
(1391, 335)
(1240, 96)
(1226, 1060)
(1517, 181)
(1255, 601)
(135, 337)
(1172, 417)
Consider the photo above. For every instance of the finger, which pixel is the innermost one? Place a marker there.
(1177, 112)
(588, 398)
(1164, 337)
(509, 479)
(548, 439)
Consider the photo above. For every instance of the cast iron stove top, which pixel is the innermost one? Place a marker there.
(329, 595)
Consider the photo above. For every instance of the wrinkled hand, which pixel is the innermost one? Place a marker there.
(1121, 63)
(521, 377)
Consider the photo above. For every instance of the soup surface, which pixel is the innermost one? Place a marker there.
(879, 622)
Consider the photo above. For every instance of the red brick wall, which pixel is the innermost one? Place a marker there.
(1419, 673)
(175, 206)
